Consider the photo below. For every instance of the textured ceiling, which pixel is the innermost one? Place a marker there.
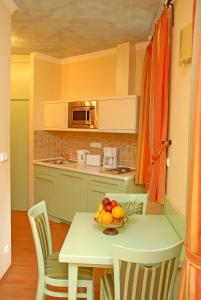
(64, 28)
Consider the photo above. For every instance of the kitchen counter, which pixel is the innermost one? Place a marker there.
(83, 168)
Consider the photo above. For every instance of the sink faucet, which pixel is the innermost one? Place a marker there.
(65, 155)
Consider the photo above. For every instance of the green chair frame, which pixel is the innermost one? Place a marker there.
(43, 279)
(131, 201)
(146, 259)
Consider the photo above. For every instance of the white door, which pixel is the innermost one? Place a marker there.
(19, 152)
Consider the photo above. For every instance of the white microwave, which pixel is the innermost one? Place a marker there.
(83, 114)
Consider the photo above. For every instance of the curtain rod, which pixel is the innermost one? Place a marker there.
(167, 3)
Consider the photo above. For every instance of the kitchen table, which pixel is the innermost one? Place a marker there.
(87, 245)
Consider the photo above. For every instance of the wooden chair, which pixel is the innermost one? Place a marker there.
(133, 203)
(50, 271)
(141, 275)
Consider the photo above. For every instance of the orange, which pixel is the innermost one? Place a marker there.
(106, 218)
(118, 212)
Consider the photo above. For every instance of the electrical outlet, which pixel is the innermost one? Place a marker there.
(96, 145)
(6, 248)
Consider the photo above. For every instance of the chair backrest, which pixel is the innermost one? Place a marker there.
(145, 274)
(133, 203)
(41, 234)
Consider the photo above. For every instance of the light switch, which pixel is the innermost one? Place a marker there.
(168, 162)
(3, 156)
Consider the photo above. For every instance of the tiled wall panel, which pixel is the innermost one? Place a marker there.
(56, 143)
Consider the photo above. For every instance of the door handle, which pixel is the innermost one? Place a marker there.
(44, 178)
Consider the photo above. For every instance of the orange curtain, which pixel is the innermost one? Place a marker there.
(190, 285)
(151, 155)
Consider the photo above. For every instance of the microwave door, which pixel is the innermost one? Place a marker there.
(78, 115)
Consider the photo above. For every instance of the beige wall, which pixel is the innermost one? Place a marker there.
(5, 235)
(77, 80)
(179, 112)
(139, 70)
(20, 77)
(125, 69)
(45, 86)
(95, 77)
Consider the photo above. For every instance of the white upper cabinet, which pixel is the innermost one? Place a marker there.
(55, 115)
(119, 114)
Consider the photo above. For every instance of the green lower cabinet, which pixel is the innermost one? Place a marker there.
(72, 196)
(68, 192)
(65, 192)
(96, 194)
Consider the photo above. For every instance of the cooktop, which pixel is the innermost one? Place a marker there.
(117, 171)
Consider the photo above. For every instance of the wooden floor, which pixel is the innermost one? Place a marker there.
(20, 281)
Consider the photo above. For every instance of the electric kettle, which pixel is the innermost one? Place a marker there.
(81, 156)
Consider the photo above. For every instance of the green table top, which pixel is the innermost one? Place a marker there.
(85, 242)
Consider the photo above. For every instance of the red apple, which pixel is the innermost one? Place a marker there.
(108, 208)
(113, 203)
(105, 201)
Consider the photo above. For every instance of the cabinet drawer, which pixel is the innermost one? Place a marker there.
(72, 175)
(46, 170)
(107, 182)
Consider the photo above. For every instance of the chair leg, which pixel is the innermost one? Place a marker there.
(90, 291)
(40, 294)
(103, 295)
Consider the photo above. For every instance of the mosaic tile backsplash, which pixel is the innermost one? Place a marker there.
(57, 143)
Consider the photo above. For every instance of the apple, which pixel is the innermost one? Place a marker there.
(114, 203)
(108, 208)
(105, 201)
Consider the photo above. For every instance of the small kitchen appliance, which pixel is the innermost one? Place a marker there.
(110, 157)
(93, 160)
(83, 114)
(81, 156)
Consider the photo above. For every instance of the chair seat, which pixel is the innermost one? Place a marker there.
(55, 269)
(108, 284)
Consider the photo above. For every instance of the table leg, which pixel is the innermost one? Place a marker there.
(72, 281)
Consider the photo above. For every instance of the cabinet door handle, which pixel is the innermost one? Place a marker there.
(95, 191)
(103, 182)
(71, 176)
(46, 179)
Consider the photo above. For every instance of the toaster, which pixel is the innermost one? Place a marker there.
(93, 160)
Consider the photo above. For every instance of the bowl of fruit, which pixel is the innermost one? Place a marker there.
(110, 215)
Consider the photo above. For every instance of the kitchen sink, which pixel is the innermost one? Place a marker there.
(59, 161)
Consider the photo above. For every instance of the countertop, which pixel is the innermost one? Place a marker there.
(83, 168)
